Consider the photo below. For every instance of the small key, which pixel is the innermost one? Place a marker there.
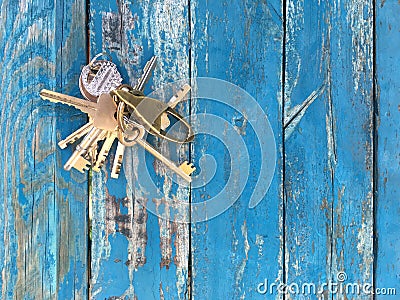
(92, 152)
(77, 159)
(73, 137)
(92, 155)
(119, 156)
(105, 149)
(99, 77)
(147, 72)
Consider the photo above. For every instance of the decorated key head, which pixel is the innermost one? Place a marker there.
(99, 77)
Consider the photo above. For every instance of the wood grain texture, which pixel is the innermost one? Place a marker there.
(136, 254)
(329, 147)
(308, 199)
(310, 65)
(388, 144)
(43, 249)
(241, 42)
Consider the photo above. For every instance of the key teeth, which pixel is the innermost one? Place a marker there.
(116, 171)
(99, 164)
(101, 160)
(85, 166)
(116, 168)
(81, 165)
(187, 167)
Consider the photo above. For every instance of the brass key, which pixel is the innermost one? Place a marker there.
(150, 112)
(76, 135)
(102, 121)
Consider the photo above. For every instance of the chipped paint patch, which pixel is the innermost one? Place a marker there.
(241, 268)
(100, 234)
(163, 213)
(168, 31)
(338, 238)
(295, 21)
(366, 238)
(330, 118)
(138, 241)
(260, 244)
(240, 124)
(360, 18)
(116, 38)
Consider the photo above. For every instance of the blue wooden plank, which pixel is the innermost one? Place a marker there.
(235, 252)
(388, 153)
(43, 221)
(136, 254)
(329, 145)
(308, 187)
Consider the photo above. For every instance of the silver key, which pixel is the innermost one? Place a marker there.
(147, 72)
(83, 105)
(119, 156)
(99, 77)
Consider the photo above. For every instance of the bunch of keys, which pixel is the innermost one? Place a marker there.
(119, 112)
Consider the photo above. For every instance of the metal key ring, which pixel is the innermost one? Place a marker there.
(100, 55)
(120, 115)
(124, 138)
(129, 140)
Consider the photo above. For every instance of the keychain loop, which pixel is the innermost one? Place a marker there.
(100, 55)
(123, 125)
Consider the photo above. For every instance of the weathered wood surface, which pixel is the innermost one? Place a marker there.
(333, 203)
(136, 254)
(43, 248)
(241, 42)
(329, 147)
(387, 218)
